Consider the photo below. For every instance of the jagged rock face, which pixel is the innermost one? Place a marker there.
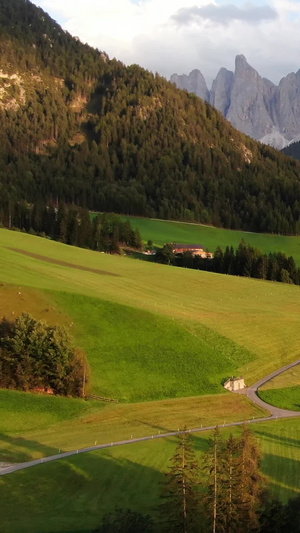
(288, 105)
(254, 105)
(194, 83)
(250, 106)
(221, 90)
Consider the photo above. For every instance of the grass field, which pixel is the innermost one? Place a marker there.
(136, 355)
(286, 398)
(287, 379)
(73, 494)
(150, 332)
(162, 231)
(284, 390)
(260, 318)
(39, 428)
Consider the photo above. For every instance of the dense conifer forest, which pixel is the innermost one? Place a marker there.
(293, 150)
(77, 127)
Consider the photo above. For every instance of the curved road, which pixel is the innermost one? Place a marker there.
(251, 392)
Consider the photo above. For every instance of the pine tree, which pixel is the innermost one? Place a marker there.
(180, 510)
(250, 486)
(230, 486)
(213, 467)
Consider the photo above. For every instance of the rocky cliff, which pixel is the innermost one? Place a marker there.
(254, 105)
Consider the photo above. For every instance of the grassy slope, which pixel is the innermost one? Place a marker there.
(20, 411)
(109, 423)
(260, 317)
(286, 398)
(286, 379)
(135, 355)
(161, 231)
(73, 494)
(284, 390)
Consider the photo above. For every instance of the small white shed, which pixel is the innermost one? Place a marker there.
(234, 384)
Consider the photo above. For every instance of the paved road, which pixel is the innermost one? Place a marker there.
(251, 392)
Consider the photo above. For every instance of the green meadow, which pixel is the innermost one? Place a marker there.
(43, 427)
(73, 494)
(253, 323)
(283, 390)
(286, 398)
(161, 340)
(162, 231)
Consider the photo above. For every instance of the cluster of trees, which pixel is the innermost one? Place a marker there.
(72, 225)
(90, 131)
(226, 494)
(34, 355)
(246, 261)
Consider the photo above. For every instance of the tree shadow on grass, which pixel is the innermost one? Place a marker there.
(17, 453)
(283, 475)
(271, 437)
(73, 494)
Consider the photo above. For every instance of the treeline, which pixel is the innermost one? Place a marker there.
(226, 493)
(72, 225)
(80, 128)
(245, 261)
(35, 356)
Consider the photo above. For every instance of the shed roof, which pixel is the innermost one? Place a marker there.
(188, 246)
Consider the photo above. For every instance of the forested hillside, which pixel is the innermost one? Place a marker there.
(78, 127)
(293, 150)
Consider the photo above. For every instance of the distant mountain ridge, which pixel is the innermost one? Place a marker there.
(253, 104)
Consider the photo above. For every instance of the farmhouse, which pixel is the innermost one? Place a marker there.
(195, 249)
(234, 384)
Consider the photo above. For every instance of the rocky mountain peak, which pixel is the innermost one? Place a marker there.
(194, 83)
(253, 104)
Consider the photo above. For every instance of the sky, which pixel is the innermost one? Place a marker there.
(168, 36)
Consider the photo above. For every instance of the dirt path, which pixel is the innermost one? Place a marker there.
(251, 392)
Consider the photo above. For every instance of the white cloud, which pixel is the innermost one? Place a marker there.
(143, 31)
(224, 14)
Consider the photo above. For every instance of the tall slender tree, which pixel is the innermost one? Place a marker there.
(213, 467)
(180, 510)
(251, 482)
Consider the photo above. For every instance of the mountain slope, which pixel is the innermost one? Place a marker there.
(78, 127)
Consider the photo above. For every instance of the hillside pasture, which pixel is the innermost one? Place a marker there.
(162, 231)
(283, 390)
(260, 318)
(34, 426)
(286, 398)
(290, 378)
(74, 493)
(135, 355)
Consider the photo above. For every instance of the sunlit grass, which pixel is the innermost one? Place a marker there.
(73, 494)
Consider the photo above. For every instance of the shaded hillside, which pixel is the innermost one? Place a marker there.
(78, 127)
(293, 150)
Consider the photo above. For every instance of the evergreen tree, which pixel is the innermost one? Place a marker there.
(251, 482)
(214, 470)
(180, 510)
